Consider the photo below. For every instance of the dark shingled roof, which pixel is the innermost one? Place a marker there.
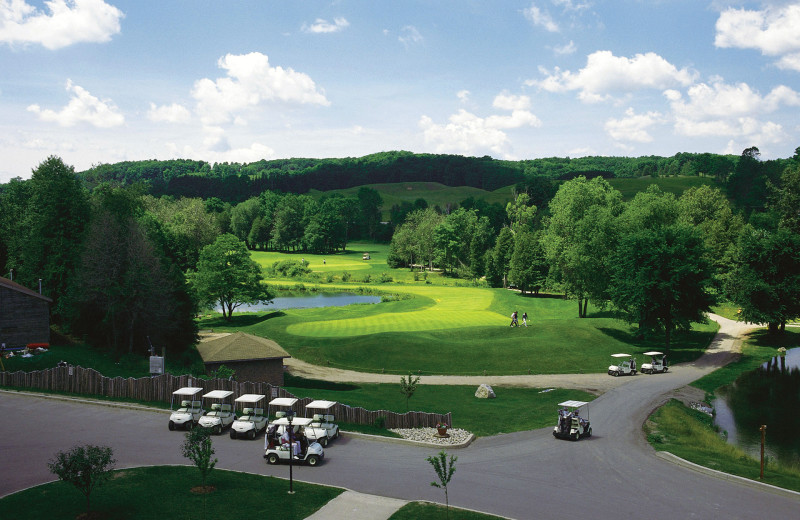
(240, 347)
(14, 286)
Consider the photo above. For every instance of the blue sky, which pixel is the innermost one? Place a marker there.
(102, 81)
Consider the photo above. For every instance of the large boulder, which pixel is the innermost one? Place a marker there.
(485, 392)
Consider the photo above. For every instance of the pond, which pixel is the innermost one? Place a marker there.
(308, 302)
(768, 395)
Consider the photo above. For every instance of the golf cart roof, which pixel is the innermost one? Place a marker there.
(621, 355)
(187, 390)
(218, 394)
(320, 405)
(653, 353)
(249, 398)
(283, 401)
(573, 404)
(297, 421)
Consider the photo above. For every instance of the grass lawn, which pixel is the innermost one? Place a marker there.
(526, 408)
(629, 187)
(690, 434)
(429, 511)
(165, 492)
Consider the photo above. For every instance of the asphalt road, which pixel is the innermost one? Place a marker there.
(522, 475)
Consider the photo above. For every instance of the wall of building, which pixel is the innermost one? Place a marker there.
(23, 318)
(260, 371)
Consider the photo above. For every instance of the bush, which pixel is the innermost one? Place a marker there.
(85, 467)
(289, 268)
(385, 277)
(345, 276)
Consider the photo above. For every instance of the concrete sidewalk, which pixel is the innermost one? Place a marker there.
(358, 506)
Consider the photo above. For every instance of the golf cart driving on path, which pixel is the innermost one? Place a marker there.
(221, 415)
(292, 443)
(190, 410)
(252, 420)
(322, 428)
(624, 364)
(658, 363)
(570, 424)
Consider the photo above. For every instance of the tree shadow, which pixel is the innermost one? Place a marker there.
(242, 320)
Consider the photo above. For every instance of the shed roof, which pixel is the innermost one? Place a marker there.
(14, 286)
(240, 347)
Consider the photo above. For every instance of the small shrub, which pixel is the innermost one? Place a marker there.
(367, 278)
(85, 467)
(346, 276)
(386, 278)
(329, 278)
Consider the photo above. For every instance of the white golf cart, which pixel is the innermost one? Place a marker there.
(570, 424)
(624, 364)
(322, 428)
(252, 421)
(221, 415)
(304, 450)
(190, 410)
(657, 363)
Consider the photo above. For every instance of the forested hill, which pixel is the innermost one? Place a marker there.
(235, 182)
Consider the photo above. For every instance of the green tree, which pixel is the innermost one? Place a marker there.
(528, 267)
(503, 251)
(85, 467)
(408, 387)
(369, 211)
(785, 196)
(765, 281)
(226, 275)
(243, 215)
(521, 213)
(444, 469)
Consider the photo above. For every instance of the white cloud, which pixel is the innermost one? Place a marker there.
(605, 75)
(173, 113)
(773, 31)
(567, 48)
(569, 5)
(82, 108)
(463, 95)
(68, 22)
(409, 35)
(506, 101)
(540, 18)
(250, 82)
(633, 127)
(255, 152)
(321, 26)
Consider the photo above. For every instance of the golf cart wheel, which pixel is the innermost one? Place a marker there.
(171, 426)
(589, 432)
(336, 435)
(616, 373)
(272, 458)
(576, 436)
(217, 429)
(251, 434)
(233, 433)
(189, 425)
(313, 460)
(323, 442)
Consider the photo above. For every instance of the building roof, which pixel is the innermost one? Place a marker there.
(14, 286)
(240, 347)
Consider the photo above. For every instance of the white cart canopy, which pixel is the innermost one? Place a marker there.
(653, 353)
(187, 390)
(297, 421)
(621, 355)
(249, 398)
(283, 401)
(321, 405)
(573, 404)
(218, 394)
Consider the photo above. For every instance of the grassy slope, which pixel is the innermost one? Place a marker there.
(167, 493)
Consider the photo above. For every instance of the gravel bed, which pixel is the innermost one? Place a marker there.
(429, 435)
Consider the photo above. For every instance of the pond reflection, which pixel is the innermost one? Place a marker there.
(307, 302)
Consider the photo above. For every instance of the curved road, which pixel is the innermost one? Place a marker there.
(522, 475)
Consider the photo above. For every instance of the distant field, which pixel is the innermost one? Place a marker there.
(677, 185)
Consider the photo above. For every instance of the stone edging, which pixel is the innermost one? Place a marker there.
(398, 440)
(726, 476)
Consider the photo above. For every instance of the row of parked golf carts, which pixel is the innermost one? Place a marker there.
(625, 364)
(305, 439)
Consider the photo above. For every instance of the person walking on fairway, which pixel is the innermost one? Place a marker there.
(514, 322)
(525, 318)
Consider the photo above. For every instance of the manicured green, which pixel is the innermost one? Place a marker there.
(166, 492)
(690, 434)
(429, 511)
(520, 408)
(629, 187)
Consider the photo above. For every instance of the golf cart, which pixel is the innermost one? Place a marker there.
(221, 415)
(322, 428)
(624, 364)
(304, 450)
(252, 420)
(658, 363)
(190, 410)
(570, 424)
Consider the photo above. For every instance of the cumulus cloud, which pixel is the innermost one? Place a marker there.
(251, 81)
(721, 109)
(409, 35)
(82, 108)
(773, 31)
(567, 48)
(321, 26)
(468, 133)
(540, 18)
(633, 127)
(66, 22)
(173, 113)
(605, 75)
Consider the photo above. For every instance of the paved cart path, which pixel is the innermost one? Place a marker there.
(521, 475)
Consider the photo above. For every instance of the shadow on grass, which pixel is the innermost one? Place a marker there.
(685, 345)
(766, 338)
(242, 320)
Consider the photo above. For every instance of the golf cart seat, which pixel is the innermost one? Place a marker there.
(225, 408)
(247, 411)
(257, 411)
(186, 404)
(329, 418)
(215, 407)
(197, 404)
(278, 415)
(317, 418)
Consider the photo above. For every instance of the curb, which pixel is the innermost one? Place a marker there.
(398, 440)
(665, 455)
(110, 404)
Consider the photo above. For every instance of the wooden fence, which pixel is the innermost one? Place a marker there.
(87, 381)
